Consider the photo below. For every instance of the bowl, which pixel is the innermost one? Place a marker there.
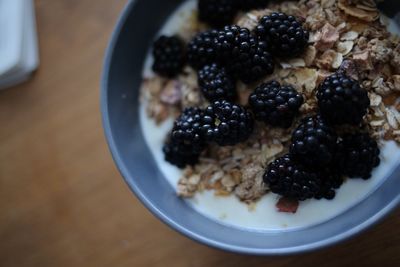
(121, 81)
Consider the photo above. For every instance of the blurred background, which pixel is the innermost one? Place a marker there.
(62, 201)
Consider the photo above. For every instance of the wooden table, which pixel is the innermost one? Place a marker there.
(62, 201)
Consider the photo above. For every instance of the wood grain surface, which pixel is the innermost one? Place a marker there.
(62, 201)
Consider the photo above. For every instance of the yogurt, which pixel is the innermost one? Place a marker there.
(264, 216)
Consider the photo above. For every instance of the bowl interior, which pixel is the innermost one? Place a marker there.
(120, 88)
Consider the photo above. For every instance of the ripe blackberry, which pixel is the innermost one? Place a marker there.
(330, 180)
(226, 40)
(284, 34)
(179, 155)
(169, 55)
(228, 124)
(201, 49)
(217, 13)
(216, 83)
(245, 57)
(188, 129)
(288, 178)
(274, 104)
(250, 59)
(251, 4)
(313, 143)
(186, 141)
(358, 155)
(341, 100)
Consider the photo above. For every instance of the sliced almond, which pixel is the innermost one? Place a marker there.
(391, 118)
(349, 36)
(345, 47)
(309, 55)
(337, 61)
(377, 123)
(376, 100)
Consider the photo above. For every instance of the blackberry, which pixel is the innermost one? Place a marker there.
(169, 55)
(251, 4)
(288, 178)
(284, 34)
(228, 124)
(250, 60)
(179, 155)
(245, 57)
(330, 180)
(201, 49)
(342, 100)
(226, 41)
(188, 129)
(358, 155)
(217, 13)
(186, 141)
(274, 104)
(313, 143)
(216, 83)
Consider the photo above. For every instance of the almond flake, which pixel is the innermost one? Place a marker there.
(392, 118)
(309, 55)
(377, 123)
(376, 100)
(337, 61)
(345, 47)
(349, 36)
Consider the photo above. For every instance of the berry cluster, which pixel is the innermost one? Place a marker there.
(290, 179)
(221, 57)
(244, 55)
(222, 122)
(237, 49)
(318, 157)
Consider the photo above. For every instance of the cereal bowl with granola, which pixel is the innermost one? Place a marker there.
(262, 127)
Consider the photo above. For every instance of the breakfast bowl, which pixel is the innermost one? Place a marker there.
(128, 143)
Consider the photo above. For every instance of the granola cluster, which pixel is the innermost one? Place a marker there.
(350, 35)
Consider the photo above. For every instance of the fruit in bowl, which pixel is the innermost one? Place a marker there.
(275, 109)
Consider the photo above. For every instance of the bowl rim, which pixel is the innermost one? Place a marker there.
(109, 53)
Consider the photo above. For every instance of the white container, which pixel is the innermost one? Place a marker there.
(18, 42)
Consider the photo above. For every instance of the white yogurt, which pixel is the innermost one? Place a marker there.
(264, 217)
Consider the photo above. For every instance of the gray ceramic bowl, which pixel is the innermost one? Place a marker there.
(119, 104)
